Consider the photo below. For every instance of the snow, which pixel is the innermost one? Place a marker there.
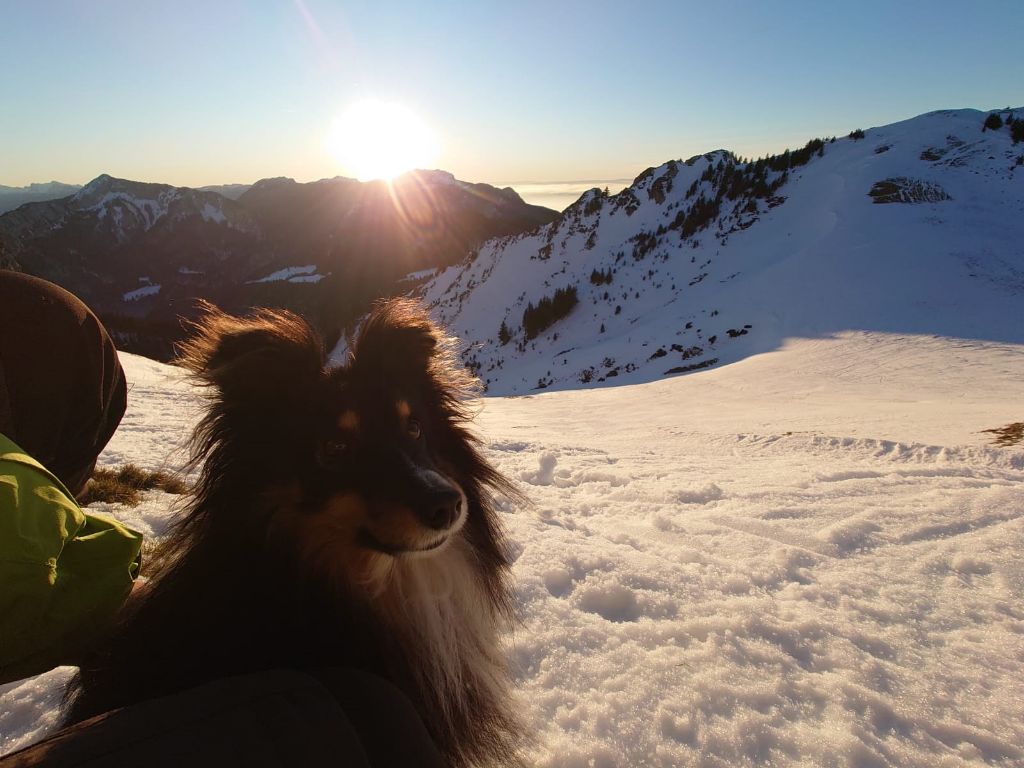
(211, 212)
(304, 274)
(306, 279)
(124, 206)
(824, 261)
(806, 554)
(808, 557)
(423, 274)
(139, 293)
(149, 210)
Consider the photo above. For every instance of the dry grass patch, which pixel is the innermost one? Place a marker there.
(125, 485)
(1011, 434)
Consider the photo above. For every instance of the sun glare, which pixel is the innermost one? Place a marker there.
(380, 140)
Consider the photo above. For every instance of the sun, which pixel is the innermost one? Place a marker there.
(380, 140)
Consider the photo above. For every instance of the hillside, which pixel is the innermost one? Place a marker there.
(140, 254)
(910, 228)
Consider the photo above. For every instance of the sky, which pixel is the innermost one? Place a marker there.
(194, 92)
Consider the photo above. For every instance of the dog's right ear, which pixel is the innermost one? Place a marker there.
(267, 356)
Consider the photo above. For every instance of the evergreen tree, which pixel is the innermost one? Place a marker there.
(993, 122)
(548, 311)
(1017, 130)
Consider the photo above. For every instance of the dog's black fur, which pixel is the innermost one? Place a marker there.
(342, 518)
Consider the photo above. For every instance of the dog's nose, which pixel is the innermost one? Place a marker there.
(442, 509)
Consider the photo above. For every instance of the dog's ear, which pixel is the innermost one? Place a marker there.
(398, 338)
(266, 356)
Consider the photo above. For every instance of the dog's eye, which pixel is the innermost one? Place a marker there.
(413, 429)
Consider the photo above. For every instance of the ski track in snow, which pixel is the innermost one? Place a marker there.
(725, 569)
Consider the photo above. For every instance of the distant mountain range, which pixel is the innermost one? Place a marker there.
(141, 253)
(12, 197)
(911, 228)
(915, 227)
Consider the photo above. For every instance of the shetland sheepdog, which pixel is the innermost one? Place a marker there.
(342, 517)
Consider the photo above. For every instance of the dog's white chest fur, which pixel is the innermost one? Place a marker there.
(447, 623)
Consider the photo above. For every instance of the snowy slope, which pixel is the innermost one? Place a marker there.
(810, 557)
(803, 249)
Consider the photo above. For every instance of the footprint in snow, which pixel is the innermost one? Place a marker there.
(558, 581)
(703, 495)
(613, 602)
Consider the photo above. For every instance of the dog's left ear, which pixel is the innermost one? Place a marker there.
(398, 338)
(254, 361)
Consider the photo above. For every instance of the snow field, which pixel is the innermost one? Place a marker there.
(810, 557)
(776, 614)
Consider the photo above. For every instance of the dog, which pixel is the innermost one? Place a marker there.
(342, 517)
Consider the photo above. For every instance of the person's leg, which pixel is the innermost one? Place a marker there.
(62, 389)
(331, 717)
(390, 730)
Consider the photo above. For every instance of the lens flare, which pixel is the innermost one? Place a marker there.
(380, 140)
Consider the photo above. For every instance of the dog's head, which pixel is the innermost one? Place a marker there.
(368, 459)
(388, 453)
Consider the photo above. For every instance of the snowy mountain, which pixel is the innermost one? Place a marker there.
(110, 220)
(913, 228)
(122, 209)
(140, 253)
(12, 197)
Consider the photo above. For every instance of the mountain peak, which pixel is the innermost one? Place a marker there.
(101, 182)
(277, 181)
(105, 183)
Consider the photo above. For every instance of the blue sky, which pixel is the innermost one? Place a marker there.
(230, 91)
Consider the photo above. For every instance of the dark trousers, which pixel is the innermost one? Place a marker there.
(62, 390)
(333, 717)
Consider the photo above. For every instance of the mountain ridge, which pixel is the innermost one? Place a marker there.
(36, 192)
(140, 253)
(912, 227)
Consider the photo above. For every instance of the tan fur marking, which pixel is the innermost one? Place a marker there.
(325, 540)
(349, 421)
(404, 411)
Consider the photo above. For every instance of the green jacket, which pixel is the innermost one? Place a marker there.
(63, 573)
